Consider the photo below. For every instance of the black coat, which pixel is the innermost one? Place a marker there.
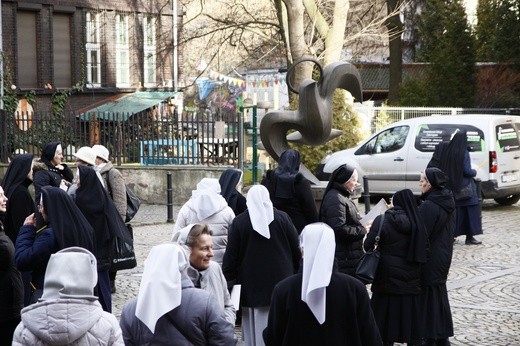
(342, 215)
(19, 206)
(48, 175)
(349, 319)
(395, 274)
(438, 213)
(11, 287)
(258, 263)
(301, 208)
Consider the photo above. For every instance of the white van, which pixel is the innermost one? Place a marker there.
(400, 151)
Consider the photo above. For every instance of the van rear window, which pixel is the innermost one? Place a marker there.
(430, 135)
(507, 137)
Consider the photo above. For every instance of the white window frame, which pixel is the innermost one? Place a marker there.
(122, 52)
(150, 52)
(93, 47)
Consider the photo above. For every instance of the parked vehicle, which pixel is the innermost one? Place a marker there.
(400, 151)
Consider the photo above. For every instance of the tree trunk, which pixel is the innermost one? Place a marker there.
(395, 28)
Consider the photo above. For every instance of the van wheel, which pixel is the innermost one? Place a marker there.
(509, 200)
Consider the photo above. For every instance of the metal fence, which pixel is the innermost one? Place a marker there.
(383, 116)
(147, 138)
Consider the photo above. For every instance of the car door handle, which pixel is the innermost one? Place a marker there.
(516, 157)
(398, 159)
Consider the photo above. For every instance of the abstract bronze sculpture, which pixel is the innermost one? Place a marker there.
(313, 119)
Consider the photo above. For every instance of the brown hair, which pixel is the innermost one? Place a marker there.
(195, 232)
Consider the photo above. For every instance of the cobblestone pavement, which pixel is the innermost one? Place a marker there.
(483, 285)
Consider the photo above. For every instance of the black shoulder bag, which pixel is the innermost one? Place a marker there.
(367, 266)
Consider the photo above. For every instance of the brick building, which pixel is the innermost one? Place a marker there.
(97, 50)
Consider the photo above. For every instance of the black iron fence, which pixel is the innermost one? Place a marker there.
(147, 138)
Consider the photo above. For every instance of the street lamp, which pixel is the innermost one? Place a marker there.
(248, 103)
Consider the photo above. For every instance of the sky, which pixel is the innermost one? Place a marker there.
(471, 11)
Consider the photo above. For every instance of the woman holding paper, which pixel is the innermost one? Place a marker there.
(341, 214)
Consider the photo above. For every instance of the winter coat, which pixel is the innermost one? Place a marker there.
(11, 287)
(115, 185)
(341, 214)
(395, 274)
(301, 208)
(348, 321)
(19, 206)
(34, 247)
(199, 320)
(438, 213)
(213, 281)
(218, 223)
(258, 263)
(67, 322)
(48, 175)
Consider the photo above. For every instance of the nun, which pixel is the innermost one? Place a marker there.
(341, 214)
(290, 191)
(230, 182)
(169, 308)
(319, 305)
(64, 226)
(20, 204)
(207, 206)
(101, 213)
(262, 250)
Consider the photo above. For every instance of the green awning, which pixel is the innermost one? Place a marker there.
(128, 105)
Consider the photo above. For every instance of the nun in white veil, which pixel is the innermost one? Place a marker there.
(168, 307)
(262, 250)
(320, 305)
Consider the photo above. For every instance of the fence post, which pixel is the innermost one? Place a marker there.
(169, 194)
(366, 194)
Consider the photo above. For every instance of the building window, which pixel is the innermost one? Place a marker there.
(122, 52)
(93, 48)
(61, 35)
(27, 55)
(149, 51)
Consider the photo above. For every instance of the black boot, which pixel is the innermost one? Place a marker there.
(471, 240)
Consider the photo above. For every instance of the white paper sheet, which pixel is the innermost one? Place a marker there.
(378, 209)
(235, 296)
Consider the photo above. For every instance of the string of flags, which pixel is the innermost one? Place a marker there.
(253, 81)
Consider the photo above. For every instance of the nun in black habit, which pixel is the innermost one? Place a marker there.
(438, 213)
(229, 181)
(64, 226)
(397, 286)
(20, 204)
(341, 214)
(15, 183)
(290, 191)
(100, 211)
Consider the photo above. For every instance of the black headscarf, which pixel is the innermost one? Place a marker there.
(16, 173)
(98, 208)
(286, 172)
(228, 186)
(438, 154)
(69, 225)
(340, 176)
(405, 200)
(48, 153)
(453, 160)
(436, 177)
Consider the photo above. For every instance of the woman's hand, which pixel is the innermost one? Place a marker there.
(30, 220)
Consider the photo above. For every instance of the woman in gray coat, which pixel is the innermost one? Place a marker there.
(169, 309)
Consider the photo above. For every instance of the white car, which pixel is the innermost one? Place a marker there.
(400, 152)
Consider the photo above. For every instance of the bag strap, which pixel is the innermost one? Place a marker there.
(379, 231)
(172, 321)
